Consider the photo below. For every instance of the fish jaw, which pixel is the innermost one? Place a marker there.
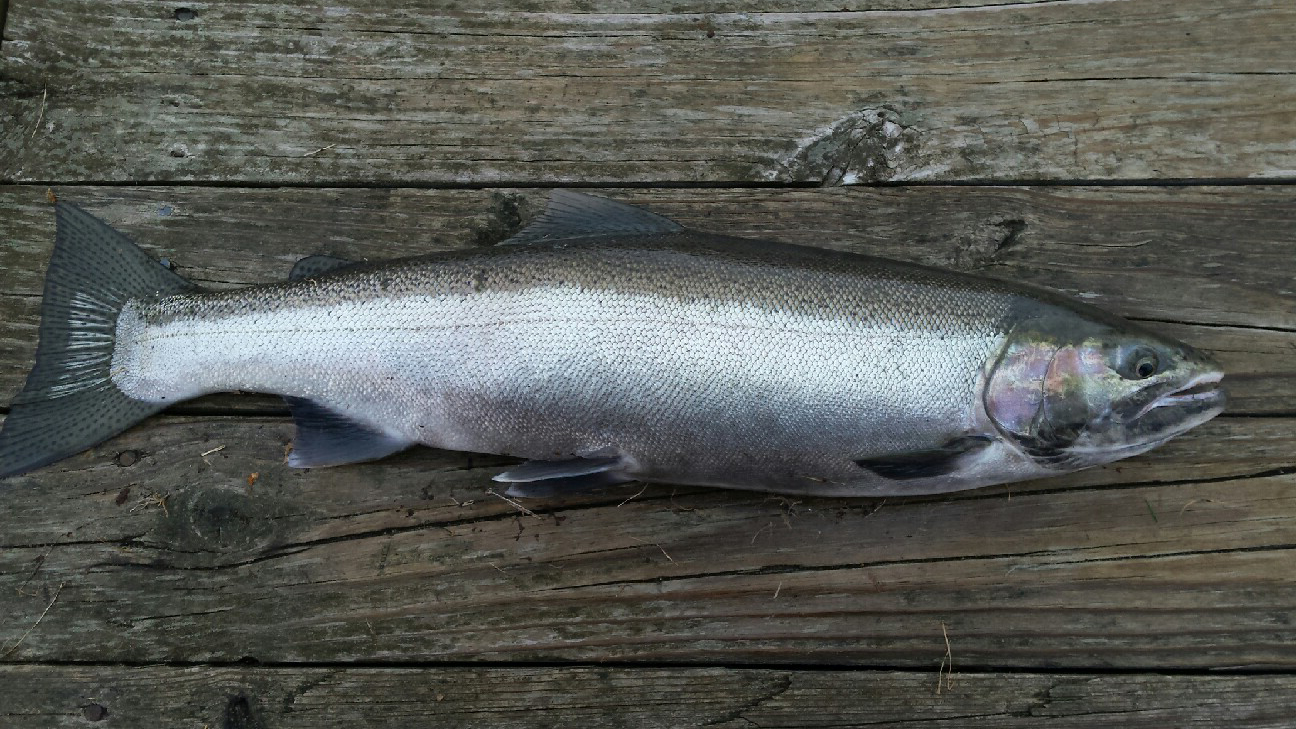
(1202, 395)
(1184, 408)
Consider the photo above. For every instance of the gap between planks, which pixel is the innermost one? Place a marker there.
(963, 670)
(324, 184)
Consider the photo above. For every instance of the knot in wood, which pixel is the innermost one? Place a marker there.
(223, 520)
(868, 145)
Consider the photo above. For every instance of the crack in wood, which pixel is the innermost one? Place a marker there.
(150, 618)
(1215, 325)
(802, 569)
(782, 683)
(293, 548)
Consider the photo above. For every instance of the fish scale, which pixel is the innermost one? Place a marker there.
(739, 371)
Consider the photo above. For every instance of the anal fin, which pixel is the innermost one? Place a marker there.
(547, 470)
(327, 438)
(537, 479)
(926, 463)
(572, 486)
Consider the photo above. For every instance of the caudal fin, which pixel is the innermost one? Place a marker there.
(70, 402)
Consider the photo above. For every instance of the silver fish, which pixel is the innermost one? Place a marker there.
(606, 344)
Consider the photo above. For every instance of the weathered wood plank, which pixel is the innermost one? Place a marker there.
(244, 698)
(1216, 262)
(264, 91)
(1173, 559)
(157, 552)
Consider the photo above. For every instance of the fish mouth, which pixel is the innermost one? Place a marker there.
(1196, 401)
(1200, 389)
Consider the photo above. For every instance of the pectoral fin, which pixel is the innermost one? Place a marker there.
(327, 438)
(925, 463)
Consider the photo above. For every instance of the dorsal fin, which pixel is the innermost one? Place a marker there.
(312, 266)
(577, 215)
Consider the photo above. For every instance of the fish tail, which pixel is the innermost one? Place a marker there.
(70, 402)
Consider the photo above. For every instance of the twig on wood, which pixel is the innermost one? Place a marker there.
(39, 563)
(632, 498)
(876, 509)
(789, 505)
(513, 503)
(41, 116)
(206, 453)
(509, 578)
(44, 612)
(945, 675)
(665, 553)
(777, 590)
(677, 508)
(153, 499)
(321, 149)
(663, 549)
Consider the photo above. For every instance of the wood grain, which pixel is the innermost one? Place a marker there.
(599, 698)
(271, 92)
(190, 540)
(182, 575)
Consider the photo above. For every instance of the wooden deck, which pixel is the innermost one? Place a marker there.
(1139, 154)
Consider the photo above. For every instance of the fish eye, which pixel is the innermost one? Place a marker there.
(1142, 364)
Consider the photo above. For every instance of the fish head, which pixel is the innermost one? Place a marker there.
(1080, 388)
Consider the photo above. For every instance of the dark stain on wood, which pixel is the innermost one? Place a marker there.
(506, 213)
(239, 714)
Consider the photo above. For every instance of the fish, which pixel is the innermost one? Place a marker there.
(605, 344)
